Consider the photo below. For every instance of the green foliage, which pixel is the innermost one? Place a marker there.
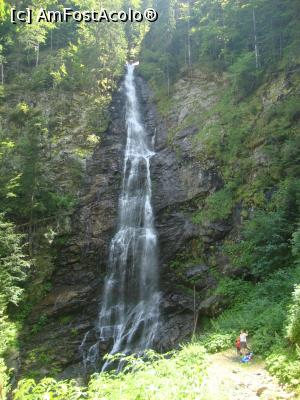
(218, 207)
(216, 342)
(265, 245)
(39, 324)
(13, 265)
(8, 335)
(261, 309)
(244, 76)
(85, 61)
(293, 327)
(285, 365)
(296, 245)
(244, 38)
(8, 343)
(161, 378)
(177, 375)
(3, 379)
(233, 290)
(41, 78)
(29, 390)
(13, 271)
(252, 134)
(65, 319)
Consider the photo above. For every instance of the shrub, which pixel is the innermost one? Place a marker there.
(293, 327)
(233, 289)
(245, 78)
(260, 309)
(215, 342)
(3, 379)
(13, 265)
(177, 375)
(218, 207)
(48, 388)
(265, 246)
(285, 366)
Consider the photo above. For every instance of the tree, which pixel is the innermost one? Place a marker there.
(33, 35)
(13, 264)
(2, 61)
(293, 326)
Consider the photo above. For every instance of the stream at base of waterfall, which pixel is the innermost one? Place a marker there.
(129, 308)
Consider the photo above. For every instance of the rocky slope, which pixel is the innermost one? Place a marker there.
(181, 181)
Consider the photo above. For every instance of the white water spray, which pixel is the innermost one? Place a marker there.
(129, 314)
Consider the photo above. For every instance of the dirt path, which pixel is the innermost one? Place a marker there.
(229, 379)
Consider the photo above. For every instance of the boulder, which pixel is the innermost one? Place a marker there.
(212, 305)
(196, 270)
(261, 390)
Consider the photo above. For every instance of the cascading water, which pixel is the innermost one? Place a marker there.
(129, 313)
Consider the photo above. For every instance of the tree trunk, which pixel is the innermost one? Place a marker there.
(51, 40)
(255, 40)
(2, 73)
(37, 49)
(168, 81)
(188, 36)
(195, 312)
(280, 45)
(30, 227)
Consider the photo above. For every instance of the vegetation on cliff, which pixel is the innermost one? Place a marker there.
(251, 135)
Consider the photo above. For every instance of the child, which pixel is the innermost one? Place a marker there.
(238, 345)
(243, 342)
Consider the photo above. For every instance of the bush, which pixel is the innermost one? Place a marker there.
(48, 388)
(13, 265)
(260, 309)
(285, 366)
(177, 375)
(233, 290)
(41, 78)
(293, 327)
(218, 207)
(12, 273)
(265, 247)
(3, 380)
(216, 342)
(245, 77)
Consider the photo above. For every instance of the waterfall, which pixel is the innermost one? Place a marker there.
(129, 313)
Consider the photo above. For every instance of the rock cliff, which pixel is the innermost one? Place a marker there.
(180, 181)
(61, 320)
